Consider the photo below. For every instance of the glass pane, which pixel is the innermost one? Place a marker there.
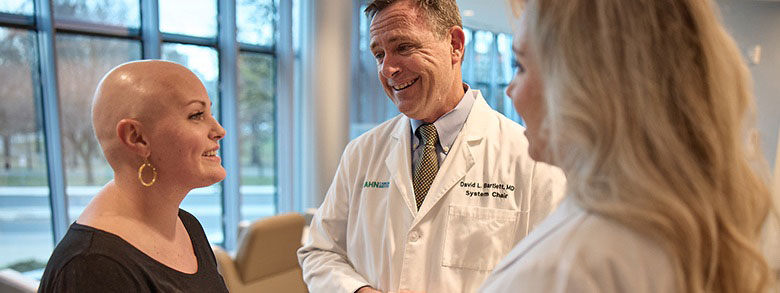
(124, 13)
(189, 17)
(255, 21)
(204, 203)
(25, 216)
(256, 135)
(203, 61)
(296, 25)
(17, 6)
(467, 32)
(365, 38)
(81, 62)
(467, 68)
(483, 43)
(505, 70)
(370, 106)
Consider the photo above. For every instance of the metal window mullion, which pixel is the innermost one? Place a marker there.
(51, 118)
(357, 111)
(285, 93)
(494, 67)
(98, 29)
(192, 40)
(304, 118)
(260, 49)
(228, 82)
(150, 29)
(16, 20)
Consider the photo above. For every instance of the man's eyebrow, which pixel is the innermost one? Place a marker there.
(391, 40)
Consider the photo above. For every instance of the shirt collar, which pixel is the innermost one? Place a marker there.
(449, 125)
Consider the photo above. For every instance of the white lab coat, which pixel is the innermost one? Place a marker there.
(577, 251)
(368, 230)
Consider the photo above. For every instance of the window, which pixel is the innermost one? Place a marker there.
(370, 105)
(196, 18)
(256, 25)
(255, 22)
(203, 203)
(81, 62)
(83, 41)
(488, 68)
(24, 214)
(203, 61)
(482, 61)
(256, 135)
(119, 13)
(24, 7)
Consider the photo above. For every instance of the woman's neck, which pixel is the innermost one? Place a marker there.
(127, 202)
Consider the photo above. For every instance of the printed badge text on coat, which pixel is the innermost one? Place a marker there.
(375, 184)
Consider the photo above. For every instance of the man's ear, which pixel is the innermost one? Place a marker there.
(131, 135)
(458, 44)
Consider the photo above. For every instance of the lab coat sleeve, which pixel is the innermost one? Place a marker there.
(323, 258)
(548, 187)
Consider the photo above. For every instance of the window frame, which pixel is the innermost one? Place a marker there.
(46, 27)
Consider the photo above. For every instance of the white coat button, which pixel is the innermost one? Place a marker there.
(414, 236)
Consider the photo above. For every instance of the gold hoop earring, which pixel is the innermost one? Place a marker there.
(141, 172)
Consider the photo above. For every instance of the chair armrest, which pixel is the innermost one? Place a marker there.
(227, 268)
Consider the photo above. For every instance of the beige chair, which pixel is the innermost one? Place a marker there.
(266, 259)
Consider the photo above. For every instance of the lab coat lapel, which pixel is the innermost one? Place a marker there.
(452, 171)
(470, 141)
(399, 163)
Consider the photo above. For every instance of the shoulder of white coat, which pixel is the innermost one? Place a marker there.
(513, 136)
(379, 134)
(505, 131)
(609, 255)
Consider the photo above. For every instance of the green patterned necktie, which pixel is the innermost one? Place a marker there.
(428, 164)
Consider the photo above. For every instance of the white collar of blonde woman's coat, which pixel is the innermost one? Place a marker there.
(566, 212)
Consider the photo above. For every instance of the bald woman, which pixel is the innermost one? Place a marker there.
(154, 123)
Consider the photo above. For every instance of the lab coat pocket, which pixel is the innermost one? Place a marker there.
(477, 238)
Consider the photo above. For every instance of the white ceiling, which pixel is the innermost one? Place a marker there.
(495, 15)
(492, 15)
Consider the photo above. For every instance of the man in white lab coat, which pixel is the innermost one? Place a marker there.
(432, 199)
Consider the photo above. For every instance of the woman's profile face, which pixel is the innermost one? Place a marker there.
(525, 90)
(185, 138)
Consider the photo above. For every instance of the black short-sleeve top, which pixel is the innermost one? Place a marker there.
(92, 260)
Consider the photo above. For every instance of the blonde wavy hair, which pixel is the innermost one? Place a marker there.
(651, 108)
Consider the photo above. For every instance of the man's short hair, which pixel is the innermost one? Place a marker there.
(440, 14)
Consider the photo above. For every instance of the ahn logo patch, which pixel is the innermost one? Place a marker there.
(376, 184)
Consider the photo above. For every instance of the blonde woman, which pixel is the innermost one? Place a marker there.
(646, 106)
